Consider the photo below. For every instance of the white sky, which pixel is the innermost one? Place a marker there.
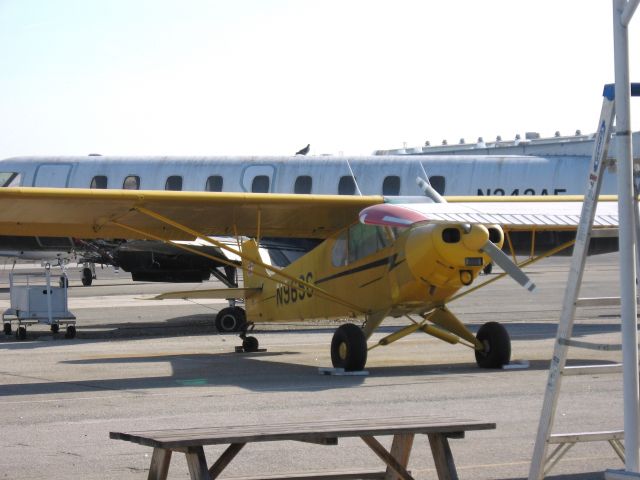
(207, 77)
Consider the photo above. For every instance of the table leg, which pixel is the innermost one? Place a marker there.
(400, 450)
(442, 456)
(224, 460)
(386, 457)
(159, 464)
(197, 463)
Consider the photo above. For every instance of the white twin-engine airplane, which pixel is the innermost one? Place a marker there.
(317, 175)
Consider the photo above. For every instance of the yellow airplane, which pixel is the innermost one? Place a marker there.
(379, 257)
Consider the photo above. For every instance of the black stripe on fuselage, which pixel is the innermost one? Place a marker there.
(361, 268)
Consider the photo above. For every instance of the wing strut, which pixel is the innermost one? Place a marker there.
(222, 246)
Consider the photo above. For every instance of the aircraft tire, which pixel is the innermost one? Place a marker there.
(230, 319)
(488, 268)
(497, 346)
(64, 281)
(87, 277)
(55, 327)
(349, 348)
(21, 333)
(250, 344)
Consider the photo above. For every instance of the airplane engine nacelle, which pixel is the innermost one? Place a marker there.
(448, 255)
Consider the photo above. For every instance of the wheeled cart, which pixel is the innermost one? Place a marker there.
(34, 300)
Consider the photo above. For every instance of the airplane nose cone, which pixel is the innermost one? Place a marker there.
(476, 237)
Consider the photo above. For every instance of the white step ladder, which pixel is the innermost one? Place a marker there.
(541, 463)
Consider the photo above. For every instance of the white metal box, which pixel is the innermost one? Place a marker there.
(31, 301)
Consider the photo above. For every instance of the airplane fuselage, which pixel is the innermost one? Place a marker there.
(374, 175)
(392, 272)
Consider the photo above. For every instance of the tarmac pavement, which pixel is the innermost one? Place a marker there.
(139, 364)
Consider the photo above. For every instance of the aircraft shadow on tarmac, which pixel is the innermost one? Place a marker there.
(251, 371)
(203, 324)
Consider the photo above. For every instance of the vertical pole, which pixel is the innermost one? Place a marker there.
(627, 222)
(574, 281)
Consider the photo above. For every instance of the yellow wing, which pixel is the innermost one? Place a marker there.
(86, 213)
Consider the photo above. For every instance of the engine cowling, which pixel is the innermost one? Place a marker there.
(449, 255)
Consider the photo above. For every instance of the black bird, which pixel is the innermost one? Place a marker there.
(305, 150)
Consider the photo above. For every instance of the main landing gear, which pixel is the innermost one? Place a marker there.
(349, 345)
(497, 346)
(87, 277)
(231, 319)
(349, 348)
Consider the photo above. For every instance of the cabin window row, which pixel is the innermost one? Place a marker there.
(262, 184)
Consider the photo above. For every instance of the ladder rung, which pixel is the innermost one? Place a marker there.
(592, 369)
(586, 436)
(598, 302)
(604, 347)
(604, 233)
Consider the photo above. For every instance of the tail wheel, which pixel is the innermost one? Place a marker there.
(497, 346)
(250, 344)
(349, 348)
(230, 319)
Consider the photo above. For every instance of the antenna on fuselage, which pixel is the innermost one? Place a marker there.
(354, 177)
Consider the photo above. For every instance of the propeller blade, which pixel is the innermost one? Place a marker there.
(500, 258)
(429, 191)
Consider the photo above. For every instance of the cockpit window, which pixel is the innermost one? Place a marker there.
(365, 240)
(339, 253)
(358, 242)
(10, 179)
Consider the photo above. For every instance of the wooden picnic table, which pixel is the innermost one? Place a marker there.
(191, 441)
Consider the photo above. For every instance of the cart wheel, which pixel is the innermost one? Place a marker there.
(55, 327)
(71, 332)
(64, 282)
(21, 333)
(7, 328)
